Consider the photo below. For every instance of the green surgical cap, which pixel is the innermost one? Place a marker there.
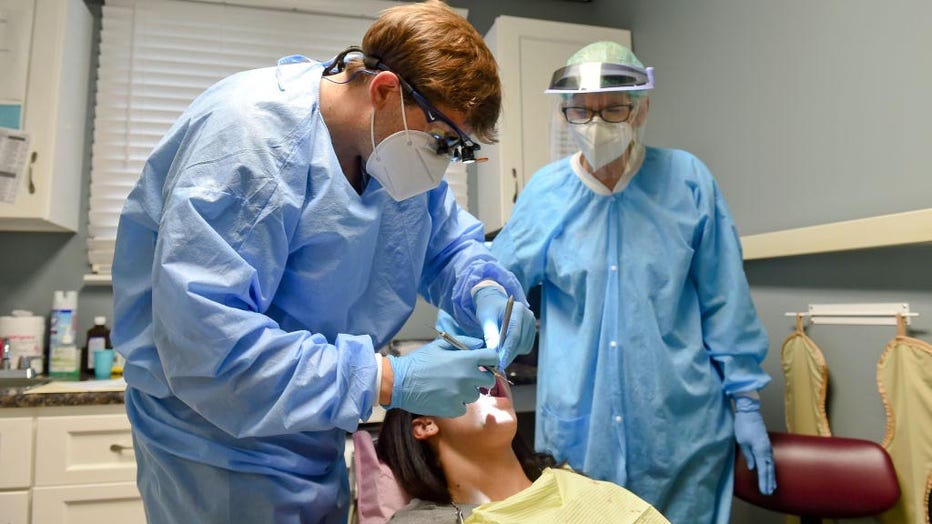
(605, 52)
(609, 52)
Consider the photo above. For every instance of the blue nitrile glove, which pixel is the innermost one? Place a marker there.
(439, 380)
(751, 434)
(522, 327)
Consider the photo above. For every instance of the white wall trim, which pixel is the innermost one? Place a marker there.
(911, 227)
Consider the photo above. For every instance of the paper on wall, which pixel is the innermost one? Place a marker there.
(16, 18)
(14, 149)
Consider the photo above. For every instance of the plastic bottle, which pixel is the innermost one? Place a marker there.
(64, 357)
(117, 370)
(98, 339)
(64, 320)
(65, 360)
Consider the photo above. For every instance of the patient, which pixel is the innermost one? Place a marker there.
(474, 468)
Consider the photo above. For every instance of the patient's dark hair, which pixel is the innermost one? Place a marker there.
(417, 469)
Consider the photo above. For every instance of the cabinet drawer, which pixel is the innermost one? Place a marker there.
(84, 449)
(14, 507)
(91, 504)
(15, 452)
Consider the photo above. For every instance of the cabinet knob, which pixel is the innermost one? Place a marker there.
(32, 160)
(514, 176)
(117, 448)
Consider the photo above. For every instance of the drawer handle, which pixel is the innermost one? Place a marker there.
(117, 448)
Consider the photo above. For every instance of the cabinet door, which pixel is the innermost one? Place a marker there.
(528, 51)
(89, 504)
(54, 115)
(15, 452)
(84, 448)
(14, 507)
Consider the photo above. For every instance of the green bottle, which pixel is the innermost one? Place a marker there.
(65, 360)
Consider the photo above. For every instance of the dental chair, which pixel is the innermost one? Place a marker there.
(823, 477)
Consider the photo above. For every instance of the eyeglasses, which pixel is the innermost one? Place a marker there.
(611, 114)
(460, 148)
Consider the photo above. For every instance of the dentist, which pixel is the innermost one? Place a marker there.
(279, 235)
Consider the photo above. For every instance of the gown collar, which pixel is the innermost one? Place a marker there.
(596, 185)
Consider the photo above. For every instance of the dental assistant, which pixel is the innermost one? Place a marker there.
(651, 349)
(279, 235)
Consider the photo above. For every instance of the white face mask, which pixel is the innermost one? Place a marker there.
(601, 142)
(406, 163)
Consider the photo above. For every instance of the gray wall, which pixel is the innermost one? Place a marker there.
(815, 107)
(809, 112)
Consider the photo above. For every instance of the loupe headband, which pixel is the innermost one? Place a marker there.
(460, 149)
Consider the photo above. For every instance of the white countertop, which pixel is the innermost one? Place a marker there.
(83, 386)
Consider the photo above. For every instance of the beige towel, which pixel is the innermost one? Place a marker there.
(904, 378)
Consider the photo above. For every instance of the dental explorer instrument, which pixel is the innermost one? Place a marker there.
(506, 318)
(459, 345)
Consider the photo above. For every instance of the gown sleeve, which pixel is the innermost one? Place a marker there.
(457, 259)
(222, 245)
(732, 333)
(521, 245)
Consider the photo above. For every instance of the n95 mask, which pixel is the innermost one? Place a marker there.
(406, 163)
(601, 142)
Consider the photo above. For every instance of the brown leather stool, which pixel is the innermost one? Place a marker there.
(823, 477)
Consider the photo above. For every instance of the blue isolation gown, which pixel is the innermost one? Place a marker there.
(646, 327)
(252, 285)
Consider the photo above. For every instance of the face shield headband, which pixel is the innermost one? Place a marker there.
(595, 77)
(459, 148)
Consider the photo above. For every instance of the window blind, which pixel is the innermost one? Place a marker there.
(156, 56)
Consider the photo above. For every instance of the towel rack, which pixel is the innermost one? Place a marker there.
(878, 314)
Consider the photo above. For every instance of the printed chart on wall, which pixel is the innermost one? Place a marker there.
(14, 148)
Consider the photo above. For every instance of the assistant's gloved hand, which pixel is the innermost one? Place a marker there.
(439, 380)
(751, 434)
(522, 327)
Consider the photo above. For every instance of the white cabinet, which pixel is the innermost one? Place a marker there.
(15, 453)
(85, 470)
(68, 464)
(15, 469)
(88, 504)
(84, 449)
(14, 507)
(528, 51)
(54, 116)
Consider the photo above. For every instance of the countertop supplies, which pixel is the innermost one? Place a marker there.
(25, 333)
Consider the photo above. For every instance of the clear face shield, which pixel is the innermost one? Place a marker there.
(598, 109)
(595, 77)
